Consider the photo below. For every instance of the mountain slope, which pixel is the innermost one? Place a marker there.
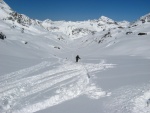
(38, 72)
(70, 29)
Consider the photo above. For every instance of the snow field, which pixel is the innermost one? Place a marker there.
(129, 99)
(21, 93)
(53, 81)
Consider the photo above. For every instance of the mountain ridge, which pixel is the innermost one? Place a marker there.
(65, 27)
(39, 72)
(72, 29)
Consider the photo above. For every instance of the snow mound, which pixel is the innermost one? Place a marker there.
(141, 103)
(129, 99)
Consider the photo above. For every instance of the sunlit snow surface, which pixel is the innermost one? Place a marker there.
(129, 99)
(21, 93)
(38, 72)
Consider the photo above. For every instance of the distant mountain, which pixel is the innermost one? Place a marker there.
(58, 35)
(82, 28)
(70, 29)
(38, 72)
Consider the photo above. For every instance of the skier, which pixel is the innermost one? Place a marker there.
(77, 58)
(148, 102)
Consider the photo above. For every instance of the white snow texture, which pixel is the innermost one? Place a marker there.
(38, 72)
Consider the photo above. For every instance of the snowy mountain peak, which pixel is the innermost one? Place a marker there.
(142, 20)
(105, 19)
(3, 5)
(145, 18)
(47, 21)
(2, 2)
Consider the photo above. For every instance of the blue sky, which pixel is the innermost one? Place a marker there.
(77, 10)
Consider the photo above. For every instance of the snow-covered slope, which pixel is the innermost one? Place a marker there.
(71, 29)
(5, 9)
(82, 28)
(38, 72)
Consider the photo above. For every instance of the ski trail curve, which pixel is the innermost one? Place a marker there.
(20, 93)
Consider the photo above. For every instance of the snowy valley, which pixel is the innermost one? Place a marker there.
(38, 72)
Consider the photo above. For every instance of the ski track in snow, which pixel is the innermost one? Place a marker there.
(129, 99)
(21, 93)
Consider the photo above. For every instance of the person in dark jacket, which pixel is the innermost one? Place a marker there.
(77, 58)
(148, 102)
